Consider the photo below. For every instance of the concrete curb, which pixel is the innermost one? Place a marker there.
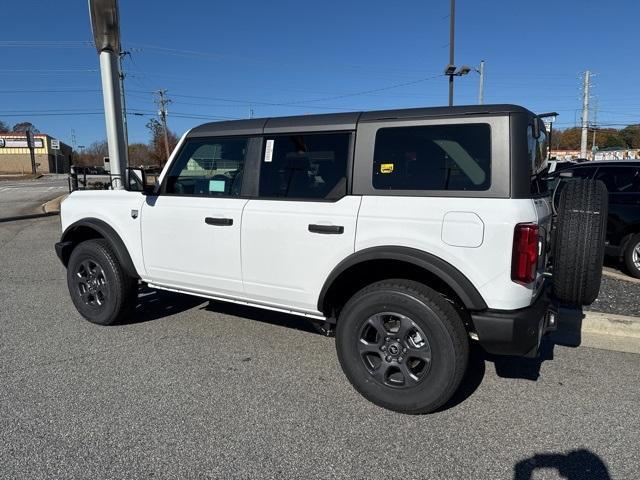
(610, 324)
(53, 206)
(605, 331)
(50, 208)
(619, 276)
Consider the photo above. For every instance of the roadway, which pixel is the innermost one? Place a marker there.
(27, 196)
(199, 389)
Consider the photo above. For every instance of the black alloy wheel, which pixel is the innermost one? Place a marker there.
(394, 349)
(92, 284)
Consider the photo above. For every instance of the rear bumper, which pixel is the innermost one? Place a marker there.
(515, 332)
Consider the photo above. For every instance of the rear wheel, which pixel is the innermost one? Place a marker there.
(632, 256)
(100, 290)
(402, 346)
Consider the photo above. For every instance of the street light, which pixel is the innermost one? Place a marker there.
(451, 71)
(105, 24)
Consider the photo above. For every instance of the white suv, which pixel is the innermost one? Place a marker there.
(412, 231)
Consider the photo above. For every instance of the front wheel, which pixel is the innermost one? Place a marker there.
(402, 346)
(632, 256)
(100, 290)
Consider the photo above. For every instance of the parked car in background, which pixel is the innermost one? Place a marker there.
(622, 179)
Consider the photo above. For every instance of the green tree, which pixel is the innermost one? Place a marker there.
(156, 144)
(140, 154)
(570, 139)
(24, 127)
(3, 127)
(631, 136)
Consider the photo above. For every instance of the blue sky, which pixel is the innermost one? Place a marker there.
(221, 59)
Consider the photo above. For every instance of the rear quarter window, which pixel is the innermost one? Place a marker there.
(433, 157)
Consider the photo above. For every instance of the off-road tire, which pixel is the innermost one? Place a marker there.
(100, 289)
(633, 266)
(432, 315)
(581, 226)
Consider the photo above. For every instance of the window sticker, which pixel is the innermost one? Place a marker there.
(268, 153)
(386, 167)
(217, 185)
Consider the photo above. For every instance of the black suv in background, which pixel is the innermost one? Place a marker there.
(622, 179)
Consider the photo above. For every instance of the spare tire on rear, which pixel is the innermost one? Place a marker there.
(581, 226)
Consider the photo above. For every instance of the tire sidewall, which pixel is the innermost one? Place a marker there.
(89, 250)
(437, 381)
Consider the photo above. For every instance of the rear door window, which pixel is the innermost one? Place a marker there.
(433, 157)
(308, 166)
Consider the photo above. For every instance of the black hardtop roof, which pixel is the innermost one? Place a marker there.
(342, 121)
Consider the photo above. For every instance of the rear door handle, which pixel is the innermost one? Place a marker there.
(326, 229)
(221, 222)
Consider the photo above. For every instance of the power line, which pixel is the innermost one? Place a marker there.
(76, 90)
(45, 44)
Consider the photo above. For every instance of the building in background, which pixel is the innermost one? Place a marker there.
(16, 158)
(613, 153)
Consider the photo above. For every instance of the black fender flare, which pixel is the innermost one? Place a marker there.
(70, 239)
(446, 272)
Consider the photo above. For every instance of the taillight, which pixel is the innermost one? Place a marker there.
(525, 253)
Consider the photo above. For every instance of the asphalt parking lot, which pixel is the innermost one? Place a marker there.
(23, 197)
(198, 389)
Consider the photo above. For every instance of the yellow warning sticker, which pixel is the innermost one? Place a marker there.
(386, 167)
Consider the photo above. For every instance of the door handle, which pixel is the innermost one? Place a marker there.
(326, 229)
(220, 222)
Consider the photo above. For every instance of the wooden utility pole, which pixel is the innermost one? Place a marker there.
(162, 103)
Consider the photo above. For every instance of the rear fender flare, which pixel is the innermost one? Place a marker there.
(446, 272)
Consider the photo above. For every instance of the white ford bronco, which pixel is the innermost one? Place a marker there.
(413, 232)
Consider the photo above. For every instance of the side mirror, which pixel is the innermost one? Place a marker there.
(136, 181)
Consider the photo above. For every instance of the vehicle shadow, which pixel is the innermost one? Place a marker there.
(154, 304)
(271, 317)
(575, 465)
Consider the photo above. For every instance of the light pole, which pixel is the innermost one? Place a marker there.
(481, 88)
(105, 24)
(451, 71)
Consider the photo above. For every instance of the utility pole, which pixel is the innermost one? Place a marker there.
(162, 103)
(481, 90)
(595, 124)
(29, 134)
(452, 26)
(585, 115)
(124, 108)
